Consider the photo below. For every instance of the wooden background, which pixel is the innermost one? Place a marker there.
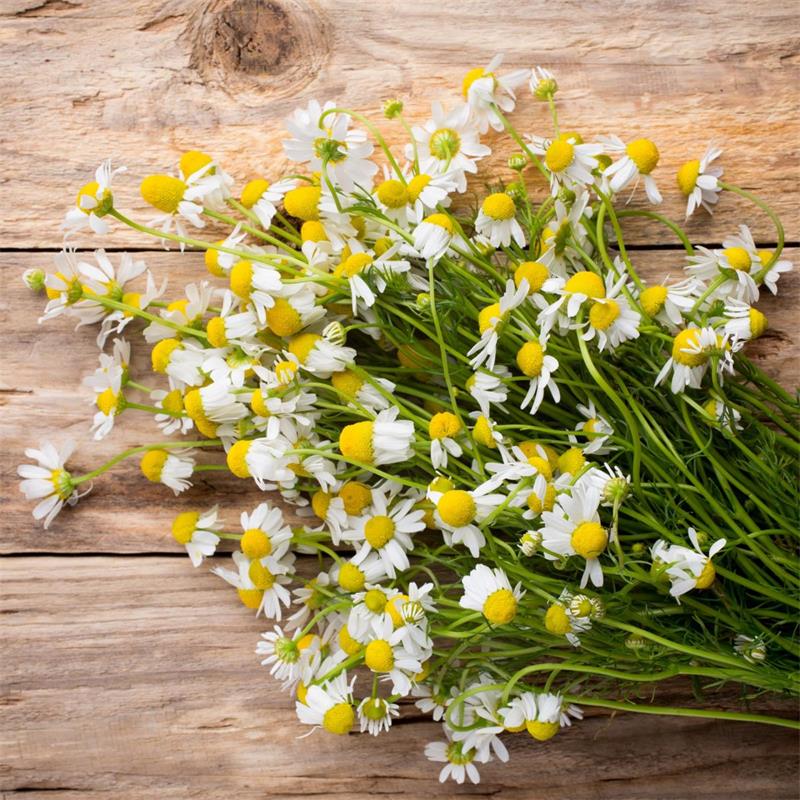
(126, 674)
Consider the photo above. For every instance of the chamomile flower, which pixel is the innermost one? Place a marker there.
(231, 327)
(197, 532)
(459, 760)
(256, 284)
(283, 655)
(581, 287)
(752, 648)
(115, 321)
(667, 303)
(385, 654)
(443, 429)
(187, 311)
(570, 161)
(774, 273)
(309, 598)
(485, 91)
(497, 221)
(354, 577)
(489, 387)
(265, 532)
(369, 609)
(698, 181)
(260, 582)
(173, 419)
(490, 321)
(177, 201)
(594, 430)
(375, 715)
(638, 160)
(743, 321)
(263, 198)
(214, 403)
(687, 568)
(320, 357)
(536, 364)
(573, 528)
(432, 237)
(104, 280)
(329, 146)
(567, 618)
(384, 440)
(611, 320)
(94, 201)
(48, 481)
(542, 83)
(108, 399)
(458, 513)
(489, 591)
(368, 392)
(379, 269)
(448, 144)
(386, 530)
(329, 706)
(171, 469)
(692, 349)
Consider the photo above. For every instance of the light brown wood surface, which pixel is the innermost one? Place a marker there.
(126, 673)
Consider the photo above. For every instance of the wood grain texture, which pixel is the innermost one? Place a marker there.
(142, 82)
(133, 676)
(136, 678)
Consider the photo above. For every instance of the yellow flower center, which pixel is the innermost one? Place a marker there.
(392, 194)
(416, 186)
(442, 220)
(183, 526)
(301, 345)
(559, 155)
(193, 403)
(375, 601)
(163, 192)
(353, 264)
(378, 656)
(542, 466)
(556, 620)
(758, 323)
(285, 371)
(532, 271)
(62, 483)
(499, 206)
(470, 78)
(173, 402)
(237, 458)
(644, 154)
(161, 353)
(348, 643)
(312, 231)
(252, 192)
(108, 402)
(339, 719)
(215, 329)
(355, 442)
(588, 283)
(689, 338)
(444, 425)
(355, 497)
(379, 530)
(255, 543)
(240, 278)
(482, 432)
(152, 463)
(456, 508)
(653, 299)
(500, 607)
(347, 383)
(262, 578)
(194, 160)
(251, 598)
(542, 731)
(394, 607)
(571, 460)
(97, 207)
(211, 258)
(602, 315)
(351, 578)
(283, 319)
(738, 258)
(303, 202)
(687, 176)
(530, 359)
(589, 539)
(444, 144)
(258, 403)
(320, 502)
(707, 576)
(487, 317)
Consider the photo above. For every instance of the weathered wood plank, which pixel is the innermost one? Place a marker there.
(154, 78)
(41, 367)
(136, 678)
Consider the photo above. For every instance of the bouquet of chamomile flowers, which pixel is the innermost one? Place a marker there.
(524, 481)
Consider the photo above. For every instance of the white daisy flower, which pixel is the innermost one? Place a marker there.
(378, 268)
(611, 319)
(432, 237)
(489, 388)
(432, 700)
(595, 430)
(174, 419)
(104, 280)
(725, 416)
(329, 706)
(216, 402)
(319, 356)
(65, 291)
(94, 201)
(187, 311)
(497, 221)
(231, 327)
(458, 511)
(578, 290)
(639, 159)
(667, 303)
(263, 198)
(309, 598)
(459, 760)
(294, 308)
(171, 469)
(442, 430)
(283, 656)
(567, 226)
(536, 364)
(261, 582)
(354, 577)
(569, 160)
(483, 90)
(699, 182)
(206, 179)
(490, 319)
(542, 83)
(375, 715)
(692, 348)
(197, 532)
(543, 714)
(328, 146)
(489, 591)
(448, 144)
(114, 322)
(686, 568)
(384, 440)
(744, 322)
(386, 531)
(386, 654)
(573, 528)
(752, 648)
(369, 609)
(775, 271)
(363, 391)
(257, 284)
(48, 481)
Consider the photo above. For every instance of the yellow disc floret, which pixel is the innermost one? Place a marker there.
(588, 283)
(379, 656)
(532, 271)
(560, 154)
(375, 601)
(252, 192)
(416, 186)
(353, 264)
(339, 719)
(301, 345)
(530, 359)
(215, 329)
(392, 193)
(738, 258)
(347, 383)
(241, 278)
(108, 402)
(442, 220)
(652, 299)
(283, 319)
(163, 192)
(183, 526)
(688, 174)
(313, 231)
(482, 432)
(160, 355)
(193, 161)
(255, 543)
(542, 731)
(707, 576)
(153, 463)
(571, 460)
(556, 620)
(303, 202)
(499, 206)
(500, 607)
(602, 315)
(379, 530)
(758, 323)
(237, 458)
(355, 442)
(488, 316)
(350, 645)
(444, 425)
(644, 154)
(470, 78)
(355, 497)
(456, 508)
(351, 578)
(589, 539)
(688, 339)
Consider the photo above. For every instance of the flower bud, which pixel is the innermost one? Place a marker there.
(529, 542)
(335, 333)
(34, 279)
(517, 161)
(392, 108)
